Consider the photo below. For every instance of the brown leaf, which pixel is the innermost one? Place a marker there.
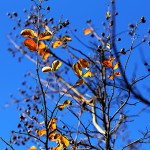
(107, 63)
(84, 63)
(45, 35)
(30, 44)
(44, 53)
(46, 69)
(117, 74)
(56, 65)
(77, 69)
(80, 81)
(28, 33)
(66, 103)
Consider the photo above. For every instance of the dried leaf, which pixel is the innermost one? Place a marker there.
(56, 64)
(41, 132)
(79, 82)
(111, 77)
(32, 148)
(30, 44)
(45, 35)
(52, 124)
(108, 46)
(54, 136)
(111, 58)
(66, 38)
(28, 33)
(46, 69)
(42, 45)
(117, 74)
(57, 43)
(108, 15)
(64, 140)
(87, 74)
(84, 63)
(44, 53)
(107, 63)
(66, 103)
(116, 65)
(77, 69)
(58, 147)
(87, 31)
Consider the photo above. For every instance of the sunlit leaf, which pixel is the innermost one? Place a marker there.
(108, 15)
(80, 82)
(52, 124)
(54, 136)
(42, 45)
(84, 63)
(64, 140)
(107, 63)
(44, 53)
(87, 74)
(108, 46)
(116, 65)
(66, 103)
(32, 148)
(117, 74)
(57, 43)
(28, 33)
(45, 35)
(111, 77)
(66, 38)
(30, 44)
(41, 132)
(56, 64)
(87, 31)
(58, 147)
(77, 69)
(46, 69)
(111, 58)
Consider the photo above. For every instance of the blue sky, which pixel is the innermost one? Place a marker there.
(77, 12)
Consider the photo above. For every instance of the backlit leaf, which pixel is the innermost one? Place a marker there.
(84, 63)
(77, 69)
(32, 148)
(42, 45)
(56, 64)
(87, 31)
(80, 81)
(66, 38)
(57, 43)
(87, 74)
(111, 77)
(54, 136)
(58, 147)
(64, 140)
(66, 103)
(46, 69)
(45, 35)
(44, 53)
(30, 44)
(41, 132)
(117, 74)
(28, 33)
(52, 124)
(107, 63)
(116, 65)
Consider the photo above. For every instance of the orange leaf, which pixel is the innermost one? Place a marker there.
(41, 132)
(77, 69)
(54, 136)
(44, 53)
(107, 63)
(28, 33)
(57, 43)
(45, 35)
(32, 148)
(79, 82)
(64, 140)
(84, 63)
(66, 38)
(66, 103)
(116, 65)
(117, 74)
(30, 44)
(52, 124)
(87, 31)
(111, 58)
(111, 77)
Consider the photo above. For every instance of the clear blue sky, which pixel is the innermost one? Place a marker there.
(77, 11)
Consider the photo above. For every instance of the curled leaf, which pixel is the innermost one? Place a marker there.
(41, 132)
(45, 35)
(80, 81)
(44, 53)
(66, 38)
(87, 74)
(32, 148)
(30, 44)
(28, 33)
(116, 65)
(107, 63)
(117, 74)
(57, 43)
(64, 140)
(66, 103)
(87, 31)
(56, 64)
(54, 136)
(46, 69)
(52, 124)
(77, 69)
(84, 63)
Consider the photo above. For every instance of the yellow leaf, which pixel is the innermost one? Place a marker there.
(46, 69)
(66, 103)
(111, 77)
(117, 74)
(84, 63)
(44, 53)
(32, 148)
(54, 136)
(87, 31)
(28, 33)
(79, 82)
(42, 45)
(108, 15)
(66, 38)
(107, 63)
(56, 64)
(116, 65)
(41, 132)
(58, 147)
(57, 43)
(45, 35)
(77, 69)
(52, 124)
(30, 44)
(64, 140)
(87, 74)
